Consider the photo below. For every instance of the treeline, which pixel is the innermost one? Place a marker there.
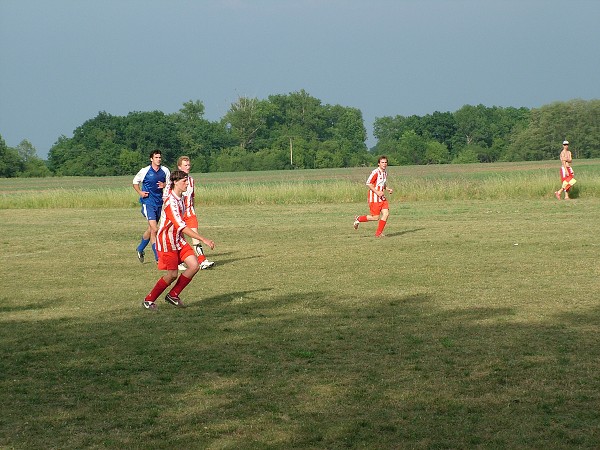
(282, 132)
(488, 134)
(298, 131)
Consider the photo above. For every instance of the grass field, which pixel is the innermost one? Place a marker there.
(474, 324)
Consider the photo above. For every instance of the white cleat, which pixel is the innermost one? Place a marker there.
(206, 264)
(356, 223)
(182, 267)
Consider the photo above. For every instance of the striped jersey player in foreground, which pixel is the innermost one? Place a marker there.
(172, 247)
(378, 204)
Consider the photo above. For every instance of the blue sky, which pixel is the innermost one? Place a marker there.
(63, 61)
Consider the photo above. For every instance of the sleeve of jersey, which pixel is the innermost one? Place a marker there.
(189, 199)
(173, 214)
(139, 177)
(167, 189)
(372, 178)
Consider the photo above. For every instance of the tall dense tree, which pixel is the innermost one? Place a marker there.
(10, 163)
(575, 120)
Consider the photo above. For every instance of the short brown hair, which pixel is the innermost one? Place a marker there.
(177, 175)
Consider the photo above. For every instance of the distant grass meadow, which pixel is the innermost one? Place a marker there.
(527, 180)
(474, 324)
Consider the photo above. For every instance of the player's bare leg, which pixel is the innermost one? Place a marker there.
(385, 213)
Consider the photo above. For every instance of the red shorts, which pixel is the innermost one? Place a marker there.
(376, 207)
(170, 260)
(191, 221)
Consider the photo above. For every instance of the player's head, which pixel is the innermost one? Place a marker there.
(179, 181)
(177, 175)
(382, 159)
(184, 163)
(565, 143)
(155, 157)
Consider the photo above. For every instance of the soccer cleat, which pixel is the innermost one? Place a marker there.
(356, 223)
(182, 267)
(206, 264)
(140, 255)
(150, 305)
(174, 300)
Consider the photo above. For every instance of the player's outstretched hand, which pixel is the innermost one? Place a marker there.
(210, 243)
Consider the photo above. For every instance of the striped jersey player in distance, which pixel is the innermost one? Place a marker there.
(190, 217)
(378, 204)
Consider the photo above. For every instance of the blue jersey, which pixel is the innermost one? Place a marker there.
(148, 179)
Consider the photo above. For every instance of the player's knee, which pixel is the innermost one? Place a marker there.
(170, 276)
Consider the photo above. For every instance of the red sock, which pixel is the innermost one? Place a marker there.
(201, 258)
(182, 282)
(362, 218)
(380, 227)
(158, 289)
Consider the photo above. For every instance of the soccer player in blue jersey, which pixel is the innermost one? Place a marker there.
(149, 183)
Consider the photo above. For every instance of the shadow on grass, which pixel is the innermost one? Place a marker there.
(29, 306)
(301, 370)
(401, 233)
(222, 262)
(396, 233)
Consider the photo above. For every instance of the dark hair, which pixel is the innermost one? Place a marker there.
(381, 157)
(155, 152)
(177, 175)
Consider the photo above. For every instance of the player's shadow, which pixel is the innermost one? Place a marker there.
(221, 262)
(400, 233)
(225, 298)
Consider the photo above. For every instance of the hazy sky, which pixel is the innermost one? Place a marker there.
(63, 61)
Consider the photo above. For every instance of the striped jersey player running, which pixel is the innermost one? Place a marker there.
(378, 204)
(172, 247)
(190, 218)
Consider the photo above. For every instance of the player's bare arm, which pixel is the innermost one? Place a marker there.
(191, 233)
(141, 193)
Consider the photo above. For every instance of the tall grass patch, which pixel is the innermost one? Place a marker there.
(499, 181)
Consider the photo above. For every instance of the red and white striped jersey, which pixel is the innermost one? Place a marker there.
(188, 199)
(169, 236)
(378, 178)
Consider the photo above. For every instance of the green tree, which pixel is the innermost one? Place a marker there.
(10, 162)
(436, 153)
(575, 120)
(246, 120)
(32, 165)
(467, 155)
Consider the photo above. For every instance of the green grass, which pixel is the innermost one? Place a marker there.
(474, 324)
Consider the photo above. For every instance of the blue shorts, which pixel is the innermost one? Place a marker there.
(151, 212)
